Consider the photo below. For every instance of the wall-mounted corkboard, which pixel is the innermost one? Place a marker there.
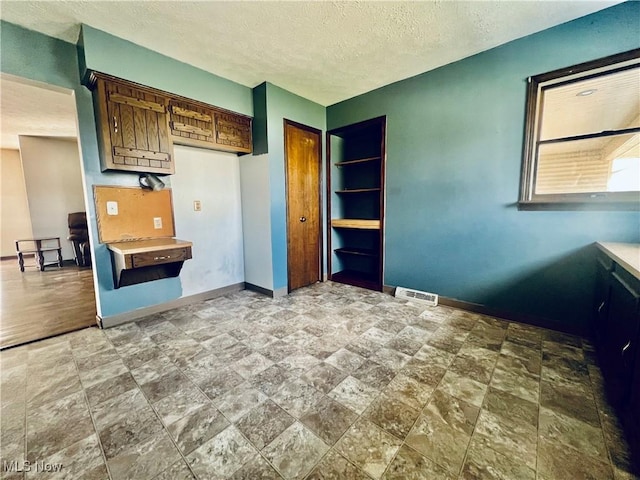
(138, 210)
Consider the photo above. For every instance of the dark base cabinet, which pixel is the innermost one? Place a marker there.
(616, 327)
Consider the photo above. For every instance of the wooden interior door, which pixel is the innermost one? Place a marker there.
(303, 159)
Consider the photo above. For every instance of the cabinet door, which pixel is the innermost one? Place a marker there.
(191, 124)
(232, 132)
(601, 299)
(620, 346)
(135, 129)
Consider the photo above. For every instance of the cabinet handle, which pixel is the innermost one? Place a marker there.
(162, 258)
(601, 307)
(303, 219)
(115, 124)
(626, 347)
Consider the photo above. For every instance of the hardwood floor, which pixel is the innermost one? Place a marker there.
(36, 305)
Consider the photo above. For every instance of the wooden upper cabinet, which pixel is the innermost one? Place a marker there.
(201, 125)
(134, 127)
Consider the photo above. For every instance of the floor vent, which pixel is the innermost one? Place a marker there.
(417, 296)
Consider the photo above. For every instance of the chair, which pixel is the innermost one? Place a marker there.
(79, 238)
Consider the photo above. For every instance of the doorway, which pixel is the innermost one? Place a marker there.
(303, 162)
(40, 185)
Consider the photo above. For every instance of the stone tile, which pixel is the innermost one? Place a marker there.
(296, 397)
(345, 360)
(557, 461)
(299, 363)
(368, 447)
(82, 459)
(133, 429)
(324, 377)
(486, 464)
(569, 369)
(177, 471)
(408, 346)
(363, 346)
(354, 394)
(102, 373)
(195, 428)
(251, 365)
(423, 372)
(563, 350)
(264, 423)
(442, 442)
(392, 415)
(520, 385)
(277, 351)
(166, 385)
(256, 469)
(98, 359)
(44, 390)
(153, 370)
(116, 409)
(409, 464)
(572, 400)
(409, 391)
(514, 440)
(295, 451)
(328, 419)
(180, 404)
(390, 358)
(511, 407)
(48, 426)
(335, 467)
(559, 428)
(519, 366)
(434, 356)
(220, 383)
(463, 388)
(144, 460)
(271, 379)
(452, 411)
(373, 374)
(222, 456)
(238, 401)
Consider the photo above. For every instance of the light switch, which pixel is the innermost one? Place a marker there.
(157, 222)
(112, 208)
(197, 206)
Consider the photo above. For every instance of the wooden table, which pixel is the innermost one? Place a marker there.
(37, 247)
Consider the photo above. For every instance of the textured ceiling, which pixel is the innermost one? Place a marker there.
(30, 110)
(323, 51)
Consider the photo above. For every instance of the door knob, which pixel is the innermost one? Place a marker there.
(303, 219)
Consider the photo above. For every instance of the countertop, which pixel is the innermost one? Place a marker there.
(150, 245)
(625, 254)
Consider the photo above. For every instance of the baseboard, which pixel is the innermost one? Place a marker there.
(281, 292)
(532, 320)
(114, 320)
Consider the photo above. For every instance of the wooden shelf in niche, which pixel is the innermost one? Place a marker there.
(365, 252)
(359, 190)
(357, 161)
(355, 223)
(357, 278)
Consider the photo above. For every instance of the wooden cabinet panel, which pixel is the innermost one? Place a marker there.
(200, 125)
(134, 128)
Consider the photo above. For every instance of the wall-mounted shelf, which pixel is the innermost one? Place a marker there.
(146, 260)
(355, 162)
(365, 252)
(355, 192)
(359, 190)
(355, 223)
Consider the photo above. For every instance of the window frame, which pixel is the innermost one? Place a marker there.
(528, 199)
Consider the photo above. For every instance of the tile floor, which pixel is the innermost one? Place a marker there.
(331, 382)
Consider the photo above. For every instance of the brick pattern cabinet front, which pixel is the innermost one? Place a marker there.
(134, 128)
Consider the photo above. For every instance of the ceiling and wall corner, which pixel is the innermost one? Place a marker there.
(323, 51)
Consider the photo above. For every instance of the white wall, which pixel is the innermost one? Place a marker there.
(213, 178)
(54, 185)
(15, 221)
(256, 220)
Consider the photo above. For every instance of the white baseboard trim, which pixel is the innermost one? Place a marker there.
(114, 320)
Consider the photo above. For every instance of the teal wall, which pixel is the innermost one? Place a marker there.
(40, 58)
(454, 150)
(280, 105)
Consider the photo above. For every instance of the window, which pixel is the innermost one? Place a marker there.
(582, 141)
